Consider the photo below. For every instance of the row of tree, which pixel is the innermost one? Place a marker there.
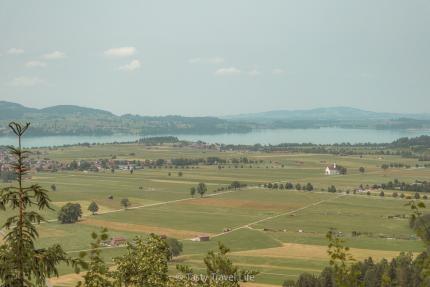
(394, 165)
(72, 212)
(417, 186)
(201, 189)
(290, 185)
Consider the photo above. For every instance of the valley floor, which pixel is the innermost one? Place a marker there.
(280, 233)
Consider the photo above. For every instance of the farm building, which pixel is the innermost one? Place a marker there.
(117, 241)
(331, 170)
(201, 238)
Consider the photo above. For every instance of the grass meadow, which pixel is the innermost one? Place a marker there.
(280, 233)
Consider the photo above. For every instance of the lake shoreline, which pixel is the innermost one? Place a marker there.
(264, 137)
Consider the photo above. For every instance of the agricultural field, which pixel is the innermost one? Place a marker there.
(278, 232)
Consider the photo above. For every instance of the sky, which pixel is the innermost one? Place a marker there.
(199, 57)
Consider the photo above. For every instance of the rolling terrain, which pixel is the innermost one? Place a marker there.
(75, 120)
(278, 232)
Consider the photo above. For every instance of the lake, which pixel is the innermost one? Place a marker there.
(318, 136)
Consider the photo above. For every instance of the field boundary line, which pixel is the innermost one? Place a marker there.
(155, 204)
(278, 215)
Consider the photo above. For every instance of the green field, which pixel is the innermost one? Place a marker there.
(280, 233)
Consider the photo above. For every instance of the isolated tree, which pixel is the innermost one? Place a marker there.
(298, 186)
(342, 170)
(53, 187)
(201, 189)
(384, 166)
(73, 165)
(235, 184)
(361, 169)
(175, 246)
(180, 173)
(125, 203)
(21, 263)
(93, 207)
(97, 274)
(382, 194)
(192, 191)
(309, 187)
(332, 189)
(70, 213)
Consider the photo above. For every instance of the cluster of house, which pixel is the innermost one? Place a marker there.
(114, 242)
(203, 145)
(47, 165)
(4, 160)
(96, 165)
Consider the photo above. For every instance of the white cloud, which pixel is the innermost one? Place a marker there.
(278, 71)
(194, 60)
(56, 55)
(213, 60)
(230, 71)
(15, 51)
(254, 72)
(35, 64)
(132, 66)
(120, 52)
(26, 82)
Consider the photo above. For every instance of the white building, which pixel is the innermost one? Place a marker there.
(331, 170)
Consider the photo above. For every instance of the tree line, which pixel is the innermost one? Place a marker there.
(289, 185)
(417, 186)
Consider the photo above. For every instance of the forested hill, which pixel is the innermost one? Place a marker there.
(75, 120)
(343, 117)
(330, 113)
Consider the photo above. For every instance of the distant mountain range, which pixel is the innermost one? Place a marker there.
(344, 117)
(332, 113)
(75, 120)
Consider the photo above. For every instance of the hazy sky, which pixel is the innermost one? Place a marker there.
(216, 57)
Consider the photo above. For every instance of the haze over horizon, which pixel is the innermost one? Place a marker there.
(219, 58)
(343, 108)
